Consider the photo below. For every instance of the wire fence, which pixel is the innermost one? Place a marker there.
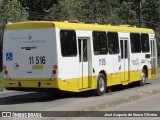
(51, 17)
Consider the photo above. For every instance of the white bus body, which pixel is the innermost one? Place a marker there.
(63, 55)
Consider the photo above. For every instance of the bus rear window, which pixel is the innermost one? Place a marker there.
(68, 43)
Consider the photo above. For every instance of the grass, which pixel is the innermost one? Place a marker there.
(1, 84)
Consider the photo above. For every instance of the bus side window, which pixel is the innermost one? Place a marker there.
(135, 42)
(145, 42)
(100, 43)
(68, 43)
(113, 43)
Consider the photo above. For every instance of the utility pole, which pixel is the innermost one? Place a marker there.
(139, 17)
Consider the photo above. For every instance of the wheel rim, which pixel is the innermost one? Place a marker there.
(101, 84)
(143, 78)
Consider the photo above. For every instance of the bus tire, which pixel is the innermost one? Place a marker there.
(144, 78)
(101, 85)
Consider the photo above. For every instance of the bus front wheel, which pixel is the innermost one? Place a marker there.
(101, 85)
(144, 78)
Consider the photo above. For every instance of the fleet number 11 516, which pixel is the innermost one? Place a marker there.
(37, 60)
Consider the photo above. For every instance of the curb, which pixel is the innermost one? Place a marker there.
(121, 101)
(106, 105)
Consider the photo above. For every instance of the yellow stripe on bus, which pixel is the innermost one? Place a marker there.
(75, 26)
(75, 83)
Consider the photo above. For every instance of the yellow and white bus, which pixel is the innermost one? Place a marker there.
(77, 56)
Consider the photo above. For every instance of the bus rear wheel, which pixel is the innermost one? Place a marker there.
(101, 85)
(144, 78)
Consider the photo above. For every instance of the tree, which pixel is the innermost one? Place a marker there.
(37, 8)
(99, 11)
(151, 13)
(157, 31)
(65, 10)
(12, 11)
(127, 13)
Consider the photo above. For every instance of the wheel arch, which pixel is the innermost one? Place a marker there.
(146, 69)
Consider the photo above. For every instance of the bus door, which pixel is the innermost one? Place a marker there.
(153, 58)
(83, 44)
(124, 68)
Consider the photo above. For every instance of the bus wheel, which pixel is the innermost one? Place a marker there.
(144, 78)
(101, 85)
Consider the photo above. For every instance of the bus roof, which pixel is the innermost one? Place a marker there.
(75, 26)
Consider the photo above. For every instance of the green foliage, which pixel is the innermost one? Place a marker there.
(127, 12)
(100, 11)
(151, 13)
(37, 7)
(68, 10)
(63, 10)
(12, 10)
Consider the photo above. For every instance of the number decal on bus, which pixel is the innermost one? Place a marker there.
(102, 61)
(37, 60)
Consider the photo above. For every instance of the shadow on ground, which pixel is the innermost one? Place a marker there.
(32, 97)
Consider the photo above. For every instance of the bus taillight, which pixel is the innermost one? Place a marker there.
(5, 67)
(55, 67)
(54, 72)
(5, 72)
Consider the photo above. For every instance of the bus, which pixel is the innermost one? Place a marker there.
(74, 56)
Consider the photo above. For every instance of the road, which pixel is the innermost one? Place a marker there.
(15, 100)
(38, 101)
(147, 104)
